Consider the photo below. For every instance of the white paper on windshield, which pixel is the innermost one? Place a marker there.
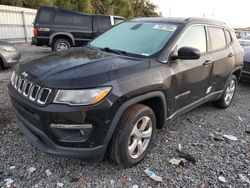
(165, 27)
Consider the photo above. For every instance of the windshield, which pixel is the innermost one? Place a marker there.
(136, 37)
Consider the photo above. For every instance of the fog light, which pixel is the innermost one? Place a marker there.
(71, 126)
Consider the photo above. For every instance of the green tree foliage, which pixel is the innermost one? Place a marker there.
(84, 6)
(125, 8)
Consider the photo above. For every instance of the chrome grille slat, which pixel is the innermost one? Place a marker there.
(26, 89)
(16, 81)
(20, 85)
(34, 92)
(40, 99)
(31, 91)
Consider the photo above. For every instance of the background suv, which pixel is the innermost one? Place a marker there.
(9, 56)
(61, 29)
(113, 94)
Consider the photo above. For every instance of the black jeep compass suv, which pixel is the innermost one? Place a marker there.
(113, 94)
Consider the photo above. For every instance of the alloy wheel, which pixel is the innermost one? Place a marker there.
(140, 137)
(230, 90)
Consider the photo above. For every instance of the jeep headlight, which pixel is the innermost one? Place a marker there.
(81, 97)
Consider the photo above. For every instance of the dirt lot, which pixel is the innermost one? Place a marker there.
(200, 133)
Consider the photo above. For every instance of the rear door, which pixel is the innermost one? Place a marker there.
(191, 77)
(220, 47)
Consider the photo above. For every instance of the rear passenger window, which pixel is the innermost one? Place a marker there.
(194, 37)
(64, 19)
(217, 38)
(228, 37)
(82, 21)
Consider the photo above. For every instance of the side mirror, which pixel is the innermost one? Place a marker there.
(187, 53)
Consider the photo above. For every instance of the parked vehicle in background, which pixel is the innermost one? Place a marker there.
(111, 97)
(246, 67)
(241, 33)
(61, 29)
(245, 41)
(9, 55)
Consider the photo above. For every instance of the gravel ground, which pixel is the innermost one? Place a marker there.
(199, 132)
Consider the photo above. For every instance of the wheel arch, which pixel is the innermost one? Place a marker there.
(236, 72)
(155, 100)
(68, 36)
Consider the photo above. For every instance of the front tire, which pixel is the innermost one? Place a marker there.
(133, 136)
(228, 94)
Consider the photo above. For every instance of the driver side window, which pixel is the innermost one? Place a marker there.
(194, 37)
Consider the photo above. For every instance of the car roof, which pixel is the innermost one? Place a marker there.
(182, 20)
(61, 10)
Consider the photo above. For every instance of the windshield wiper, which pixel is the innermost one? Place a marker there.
(121, 52)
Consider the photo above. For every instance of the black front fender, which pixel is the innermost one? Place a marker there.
(129, 103)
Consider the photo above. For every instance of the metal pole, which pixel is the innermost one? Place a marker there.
(25, 26)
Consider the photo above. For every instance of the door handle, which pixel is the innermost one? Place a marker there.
(208, 62)
(230, 55)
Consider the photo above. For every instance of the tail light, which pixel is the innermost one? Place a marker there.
(35, 32)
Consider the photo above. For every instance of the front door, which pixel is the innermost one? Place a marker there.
(191, 77)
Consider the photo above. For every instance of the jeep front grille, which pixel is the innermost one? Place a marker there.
(31, 91)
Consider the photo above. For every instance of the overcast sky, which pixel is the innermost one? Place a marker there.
(235, 14)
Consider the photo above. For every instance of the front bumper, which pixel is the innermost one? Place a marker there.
(245, 73)
(10, 58)
(45, 144)
(35, 122)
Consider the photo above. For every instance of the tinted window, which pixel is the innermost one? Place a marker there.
(82, 21)
(103, 23)
(217, 38)
(45, 16)
(64, 19)
(228, 37)
(142, 39)
(194, 37)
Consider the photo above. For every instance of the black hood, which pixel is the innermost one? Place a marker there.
(80, 68)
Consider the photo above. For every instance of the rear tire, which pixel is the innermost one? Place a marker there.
(60, 45)
(228, 94)
(133, 136)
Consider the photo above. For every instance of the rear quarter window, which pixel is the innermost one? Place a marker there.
(45, 16)
(217, 38)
